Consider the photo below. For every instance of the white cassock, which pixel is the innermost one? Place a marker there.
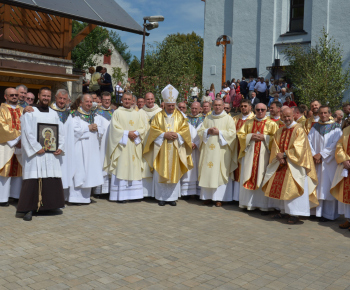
(189, 181)
(147, 176)
(44, 165)
(66, 165)
(87, 171)
(323, 139)
(105, 188)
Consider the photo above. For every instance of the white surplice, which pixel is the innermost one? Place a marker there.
(325, 144)
(87, 170)
(189, 181)
(43, 165)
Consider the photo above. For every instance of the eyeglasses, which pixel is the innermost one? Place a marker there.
(260, 110)
(182, 107)
(30, 99)
(13, 95)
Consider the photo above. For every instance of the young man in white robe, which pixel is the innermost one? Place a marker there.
(10, 143)
(168, 149)
(323, 138)
(106, 112)
(60, 107)
(189, 181)
(148, 111)
(218, 157)
(255, 138)
(87, 171)
(42, 185)
(124, 152)
(314, 106)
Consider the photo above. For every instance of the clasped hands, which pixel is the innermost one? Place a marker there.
(346, 164)
(317, 158)
(280, 158)
(132, 136)
(257, 137)
(213, 131)
(93, 128)
(42, 151)
(170, 135)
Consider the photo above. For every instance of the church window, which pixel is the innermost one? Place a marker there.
(296, 16)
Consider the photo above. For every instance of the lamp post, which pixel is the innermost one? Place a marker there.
(151, 24)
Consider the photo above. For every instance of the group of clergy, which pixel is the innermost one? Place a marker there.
(283, 162)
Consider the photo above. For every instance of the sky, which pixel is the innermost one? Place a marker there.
(183, 16)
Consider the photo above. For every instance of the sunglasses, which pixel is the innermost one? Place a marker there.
(30, 99)
(13, 95)
(260, 110)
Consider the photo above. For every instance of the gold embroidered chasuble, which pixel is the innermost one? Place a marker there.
(255, 153)
(124, 161)
(10, 129)
(286, 181)
(147, 115)
(217, 162)
(302, 121)
(171, 160)
(341, 185)
(239, 123)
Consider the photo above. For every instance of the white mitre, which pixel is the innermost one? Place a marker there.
(170, 94)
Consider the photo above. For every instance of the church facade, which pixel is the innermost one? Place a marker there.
(260, 30)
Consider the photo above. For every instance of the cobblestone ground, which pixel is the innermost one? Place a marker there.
(140, 245)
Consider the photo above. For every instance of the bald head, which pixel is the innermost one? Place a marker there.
(149, 100)
(288, 116)
(195, 108)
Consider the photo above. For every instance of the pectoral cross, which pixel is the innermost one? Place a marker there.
(168, 127)
(210, 164)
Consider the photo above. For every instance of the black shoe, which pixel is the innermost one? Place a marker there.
(264, 213)
(4, 204)
(121, 201)
(20, 214)
(161, 203)
(323, 219)
(186, 197)
(28, 216)
(74, 203)
(172, 203)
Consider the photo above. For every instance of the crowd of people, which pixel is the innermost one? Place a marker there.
(292, 163)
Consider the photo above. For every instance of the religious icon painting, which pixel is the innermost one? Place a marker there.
(48, 137)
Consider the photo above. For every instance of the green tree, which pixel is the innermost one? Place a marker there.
(134, 67)
(176, 60)
(94, 44)
(316, 72)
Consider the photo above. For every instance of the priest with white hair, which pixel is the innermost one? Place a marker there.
(148, 111)
(168, 149)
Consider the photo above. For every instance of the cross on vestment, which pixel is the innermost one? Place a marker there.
(210, 164)
(131, 122)
(212, 146)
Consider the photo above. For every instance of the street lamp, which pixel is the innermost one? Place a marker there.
(151, 24)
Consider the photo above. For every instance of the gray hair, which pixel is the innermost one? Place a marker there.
(22, 86)
(62, 92)
(82, 97)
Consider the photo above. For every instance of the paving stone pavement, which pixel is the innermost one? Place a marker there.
(140, 245)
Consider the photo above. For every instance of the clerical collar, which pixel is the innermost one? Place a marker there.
(244, 117)
(291, 125)
(197, 116)
(81, 110)
(126, 109)
(327, 122)
(13, 106)
(299, 118)
(104, 109)
(316, 118)
(218, 114)
(56, 108)
(169, 115)
(260, 119)
(155, 107)
(275, 118)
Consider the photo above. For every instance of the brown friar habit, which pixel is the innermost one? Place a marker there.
(52, 190)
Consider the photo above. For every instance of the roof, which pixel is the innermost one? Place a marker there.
(106, 13)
